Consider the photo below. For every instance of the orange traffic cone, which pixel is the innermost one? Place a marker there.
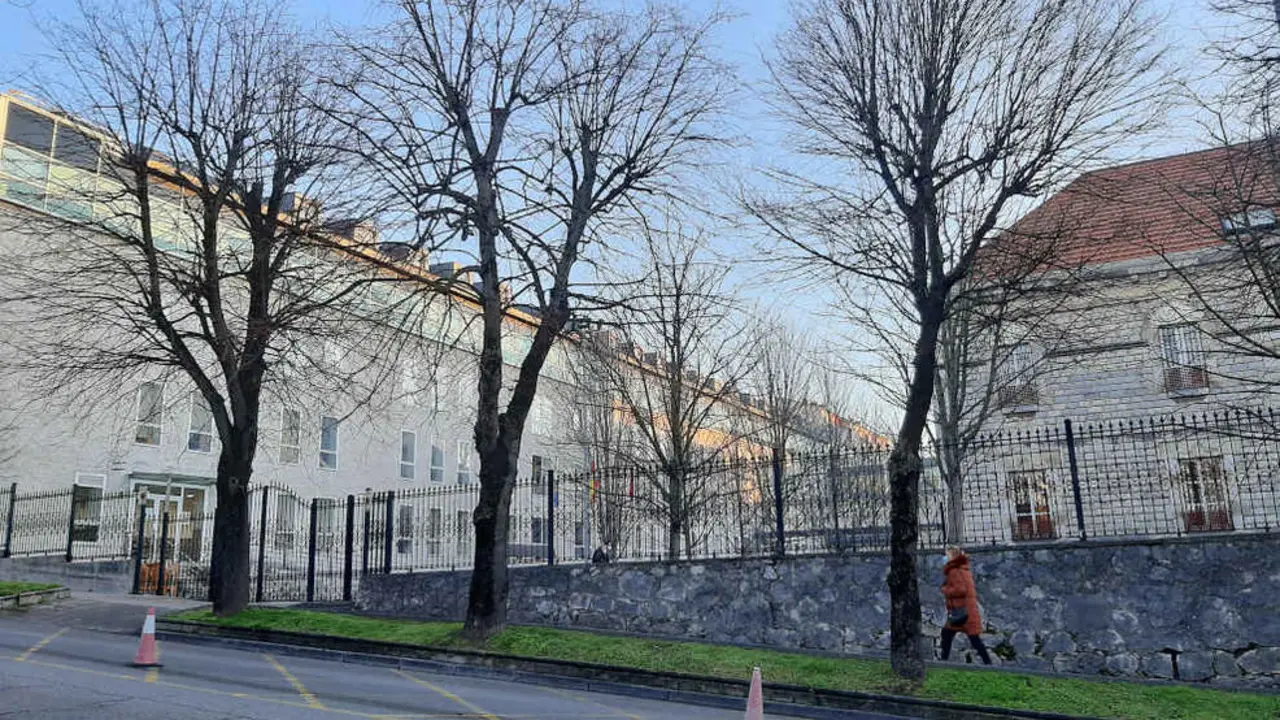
(148, 652)
(755, 701)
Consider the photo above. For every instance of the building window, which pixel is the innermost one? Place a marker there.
(537, 531)
(435, 518)
(29, 129)
(290, 437)
(437, 464)
(1253, 220)
(1032, 518)
(404, 531)
(285, 522)
(579, 540)
(1206, 504)
(150, 413)
(328, 443)
(408, 452)
(462, 519)
(538, 479)
(1016, 388)
(465, 475)
(1182, 350)
(326, 523)
(86, 497)
(200, 432)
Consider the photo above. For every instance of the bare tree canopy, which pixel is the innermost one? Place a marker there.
(515, 128)
(672, 366)
(938, 116)
(192, 235)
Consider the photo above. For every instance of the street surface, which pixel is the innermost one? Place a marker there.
(53, 666)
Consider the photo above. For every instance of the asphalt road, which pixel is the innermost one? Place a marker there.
(53, 666)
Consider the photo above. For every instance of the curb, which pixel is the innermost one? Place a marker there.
(34, 597)
(789, 700)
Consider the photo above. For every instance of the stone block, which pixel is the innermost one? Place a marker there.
(1158, 665)
(1058, 642)
(1024, 643)
(1263, 661)
(1090, 663)
(1122, 664)
(1224, 665)
(1195, 666)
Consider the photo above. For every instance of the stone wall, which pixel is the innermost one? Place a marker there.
(1201, 610)
(102, 576)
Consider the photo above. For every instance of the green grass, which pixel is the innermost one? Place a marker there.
(1051, 694)
(13, 588)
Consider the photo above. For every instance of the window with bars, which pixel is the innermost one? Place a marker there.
(404, 531)
(1016, 386)
(327, 523)
(1032, 513)
(1182, 351)
(1206, 502)
(86, 496)
(435, 521)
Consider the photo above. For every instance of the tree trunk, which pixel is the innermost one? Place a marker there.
(950, 456)
(487, 603)
(229, 566)
(675, 520)
(905, 651)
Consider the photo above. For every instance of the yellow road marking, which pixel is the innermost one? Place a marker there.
(445, 693)
(152, 675)
(307, 695)
(583, 699)
(37, 647)
(238, 695)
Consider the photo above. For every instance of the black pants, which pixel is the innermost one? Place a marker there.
(975, 642)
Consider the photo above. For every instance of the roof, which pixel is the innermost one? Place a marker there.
(1154, 207)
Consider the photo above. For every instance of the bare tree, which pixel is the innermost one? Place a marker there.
(943, 113)
(1231, 288)
(515, 128)
(680, 399)
(187, 239)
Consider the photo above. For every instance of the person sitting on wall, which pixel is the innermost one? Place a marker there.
(600, 557)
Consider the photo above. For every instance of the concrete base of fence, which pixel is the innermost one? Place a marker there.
(787, 700)
(10, 602)
(95, 576)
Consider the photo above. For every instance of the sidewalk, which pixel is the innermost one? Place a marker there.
(106, 612)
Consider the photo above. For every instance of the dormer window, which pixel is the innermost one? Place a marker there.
(1249, 221)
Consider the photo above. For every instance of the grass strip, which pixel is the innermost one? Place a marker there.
(14, 588)
(1073, 696)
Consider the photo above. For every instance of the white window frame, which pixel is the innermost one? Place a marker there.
(331, 452)
(406, 518)
(437, 472)
(327, 522)
(463, 465)
(139, 422)
(435, 529)
(195, 434)
(408, 468)
(96, 481)
(290, 453)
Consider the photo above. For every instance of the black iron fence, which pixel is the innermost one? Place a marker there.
(1165, 476)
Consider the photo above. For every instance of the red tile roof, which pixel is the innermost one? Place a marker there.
(1152, 207)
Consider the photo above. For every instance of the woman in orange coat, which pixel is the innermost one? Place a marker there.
(961, 593)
